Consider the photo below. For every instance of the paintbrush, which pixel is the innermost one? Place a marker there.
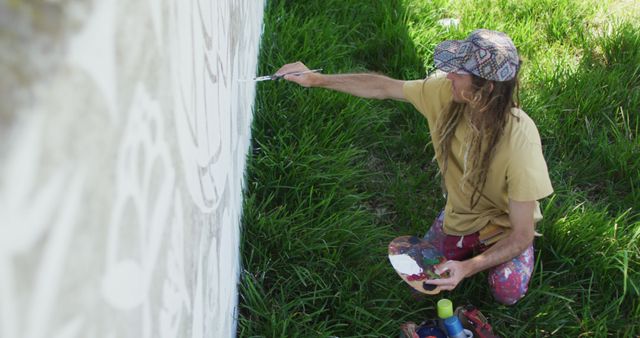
(277, 77)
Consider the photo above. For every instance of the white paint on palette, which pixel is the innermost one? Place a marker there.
(405, 264)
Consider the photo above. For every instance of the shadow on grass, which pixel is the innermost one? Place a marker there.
(329, 177)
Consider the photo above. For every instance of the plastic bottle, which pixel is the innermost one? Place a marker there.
(445, 310)
(454, 328)
(448, 322)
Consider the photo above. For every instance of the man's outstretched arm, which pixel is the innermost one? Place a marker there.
(365, 85)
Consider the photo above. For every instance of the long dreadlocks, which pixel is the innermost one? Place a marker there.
(489, 108)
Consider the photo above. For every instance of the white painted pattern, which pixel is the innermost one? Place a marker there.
(144, 182)
(27, 214)
(121, 186)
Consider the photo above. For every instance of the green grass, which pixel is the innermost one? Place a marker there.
(333, 178)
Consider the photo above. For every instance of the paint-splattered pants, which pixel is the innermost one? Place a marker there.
(509, 281)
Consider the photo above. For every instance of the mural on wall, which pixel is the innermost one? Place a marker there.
(123, 139)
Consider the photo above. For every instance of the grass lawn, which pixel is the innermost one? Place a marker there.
(333, 178)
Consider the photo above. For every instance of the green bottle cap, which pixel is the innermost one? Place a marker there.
(445, 308)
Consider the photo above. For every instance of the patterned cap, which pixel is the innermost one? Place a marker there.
(488, 54)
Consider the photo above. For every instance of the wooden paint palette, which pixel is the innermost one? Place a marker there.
(414, 259)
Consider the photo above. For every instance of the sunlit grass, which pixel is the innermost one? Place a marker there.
(332, 178)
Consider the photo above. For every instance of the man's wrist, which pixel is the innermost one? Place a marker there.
(472, 266)
(319, 80)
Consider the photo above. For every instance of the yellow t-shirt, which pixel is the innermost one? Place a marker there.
(518, 170)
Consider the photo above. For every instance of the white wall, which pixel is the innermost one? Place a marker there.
(123, 136)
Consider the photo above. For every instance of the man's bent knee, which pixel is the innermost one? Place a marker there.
(507, 296)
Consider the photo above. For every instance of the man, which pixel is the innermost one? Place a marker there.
(488, 152)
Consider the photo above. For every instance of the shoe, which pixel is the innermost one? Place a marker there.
(472, 319)
(408, 330)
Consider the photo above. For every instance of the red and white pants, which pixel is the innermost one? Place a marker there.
(509, 281)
